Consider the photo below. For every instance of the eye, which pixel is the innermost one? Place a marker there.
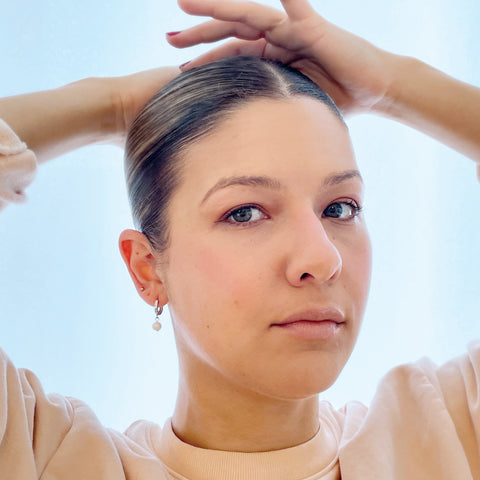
(347, 210)
(245, 214)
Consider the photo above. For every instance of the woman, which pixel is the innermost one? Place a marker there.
(259, 354)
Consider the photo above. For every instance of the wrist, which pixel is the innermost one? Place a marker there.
(94, 106)
(394, 67)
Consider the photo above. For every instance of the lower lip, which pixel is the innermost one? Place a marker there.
(307, 330)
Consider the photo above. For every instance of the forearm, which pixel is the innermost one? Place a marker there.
(53, 122)
(436, 104)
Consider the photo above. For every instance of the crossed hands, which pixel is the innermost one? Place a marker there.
(355, 73)
(352, 71)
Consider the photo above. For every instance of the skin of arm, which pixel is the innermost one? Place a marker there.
(434, 103)
(358, 76)
(93, 110)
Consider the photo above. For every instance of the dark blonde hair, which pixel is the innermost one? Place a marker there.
(187, 109)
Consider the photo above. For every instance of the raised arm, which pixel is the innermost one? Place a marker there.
(94, 110)
(436, 104)
(358, 76)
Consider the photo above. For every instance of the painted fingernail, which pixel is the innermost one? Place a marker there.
(184, 65)
(172, 34)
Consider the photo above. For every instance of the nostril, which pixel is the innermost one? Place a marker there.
(304, 275)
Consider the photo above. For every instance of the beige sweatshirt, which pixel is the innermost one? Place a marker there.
(423, 423)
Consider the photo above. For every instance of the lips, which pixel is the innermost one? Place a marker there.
(322, 325)
(330, 314)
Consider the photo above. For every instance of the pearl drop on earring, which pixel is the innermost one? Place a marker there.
(158, 311)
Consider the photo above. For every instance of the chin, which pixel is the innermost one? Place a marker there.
(309, 388)
(300, 383)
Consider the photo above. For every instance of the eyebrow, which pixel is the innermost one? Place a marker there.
(273, 183)
(337, 178)
(249, 181)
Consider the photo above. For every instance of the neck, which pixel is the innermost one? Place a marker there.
(216, 415)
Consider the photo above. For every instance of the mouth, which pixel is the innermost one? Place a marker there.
(321, 324)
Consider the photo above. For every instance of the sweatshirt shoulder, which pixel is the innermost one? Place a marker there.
(421, 412)
(42, 433)
(460, 375)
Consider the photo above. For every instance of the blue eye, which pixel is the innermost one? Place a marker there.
(246, 214)
(342, 210)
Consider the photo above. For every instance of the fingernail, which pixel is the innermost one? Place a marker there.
(171, 34)
(184, 65)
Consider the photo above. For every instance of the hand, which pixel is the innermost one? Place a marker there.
(130, 93)
(93, 110)
(352, 71)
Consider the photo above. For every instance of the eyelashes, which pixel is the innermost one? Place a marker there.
(339, 209)
(244, 214)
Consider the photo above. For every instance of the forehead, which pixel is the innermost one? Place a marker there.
(279, 138)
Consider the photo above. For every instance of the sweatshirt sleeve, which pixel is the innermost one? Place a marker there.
(18, 166)
(423, 423)
(48, 436)
(459, 381)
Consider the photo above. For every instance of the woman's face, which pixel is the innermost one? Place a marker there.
(268, 266)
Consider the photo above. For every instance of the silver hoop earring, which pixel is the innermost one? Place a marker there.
(158, 311)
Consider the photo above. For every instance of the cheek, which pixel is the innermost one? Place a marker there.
(212, 299)
(207, 282)
(224, 273)
(357, 260)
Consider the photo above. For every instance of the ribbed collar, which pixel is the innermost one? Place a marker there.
(315, 459)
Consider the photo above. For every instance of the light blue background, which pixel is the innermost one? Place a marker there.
(67, 308)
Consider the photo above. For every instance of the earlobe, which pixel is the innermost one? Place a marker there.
(139, 258)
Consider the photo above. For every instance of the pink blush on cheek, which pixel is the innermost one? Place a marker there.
(214, 268)
(225, 277)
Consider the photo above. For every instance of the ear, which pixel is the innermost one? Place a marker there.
(140, 260)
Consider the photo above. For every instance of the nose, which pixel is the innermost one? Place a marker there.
(313, 256)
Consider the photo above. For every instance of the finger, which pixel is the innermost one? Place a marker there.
(249, 13)
(229, 49)
(259, 48)
(298, 9)
(213, 31)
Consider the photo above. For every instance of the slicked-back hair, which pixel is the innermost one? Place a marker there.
(187, 109)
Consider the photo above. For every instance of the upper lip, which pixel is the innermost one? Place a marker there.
(331, 314)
